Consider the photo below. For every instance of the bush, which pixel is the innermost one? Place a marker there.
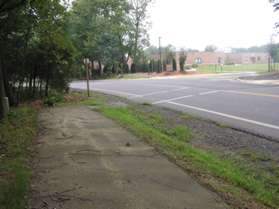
(195, 66)
(53, 98)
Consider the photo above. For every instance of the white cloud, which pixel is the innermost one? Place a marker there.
(225, 23)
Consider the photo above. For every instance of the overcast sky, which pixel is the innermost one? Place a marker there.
(224, 23)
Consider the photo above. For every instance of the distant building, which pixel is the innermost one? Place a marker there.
(247, 58)
(205, 58)
(215, 58)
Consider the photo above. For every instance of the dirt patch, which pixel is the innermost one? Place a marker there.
(176, 73)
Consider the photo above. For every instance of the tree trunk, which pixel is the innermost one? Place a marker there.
(2, 93)
(113, 69)
(47, 81)
(40, 87)
(47, 86)
(34, 81)
(30, 83)
(8, 88)
(136, 43)
(19, 91)
(100, 68)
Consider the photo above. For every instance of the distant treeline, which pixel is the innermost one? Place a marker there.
(253, 49)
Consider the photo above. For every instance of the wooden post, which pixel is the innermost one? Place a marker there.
(87, 78)
(161, 68)
(269, 64)
(6, 105)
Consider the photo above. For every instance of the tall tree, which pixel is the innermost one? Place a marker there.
(34, 48)
(276, 8)
(210, 48)
(182, 59)
(100, 30)
(139, 18)
(6, 7)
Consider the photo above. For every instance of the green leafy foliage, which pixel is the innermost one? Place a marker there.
(104, 32)
(35, 52)
(53, 98)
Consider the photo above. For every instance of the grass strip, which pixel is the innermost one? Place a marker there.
(17, 132)
(233, 68)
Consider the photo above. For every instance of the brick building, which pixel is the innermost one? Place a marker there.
(205, 58)
(247, 58)
(215, 58)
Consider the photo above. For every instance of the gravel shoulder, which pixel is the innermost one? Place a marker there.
(87, 161)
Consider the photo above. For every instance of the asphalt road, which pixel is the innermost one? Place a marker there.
(221, 98)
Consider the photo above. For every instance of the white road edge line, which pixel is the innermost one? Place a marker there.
(227, 116)
(164, 85)
(159, 92)
(210, 92)
(169, 100)
(114, 91)
(188, 96)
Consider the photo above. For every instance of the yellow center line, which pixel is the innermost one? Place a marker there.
(254, 94)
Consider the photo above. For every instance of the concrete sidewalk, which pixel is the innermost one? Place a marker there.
(84, 163)
(262, 79)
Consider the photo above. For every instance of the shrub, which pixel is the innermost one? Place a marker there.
(53, 98)
(195, 66)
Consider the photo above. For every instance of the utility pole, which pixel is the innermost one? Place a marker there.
(160, 51)
(270, 60)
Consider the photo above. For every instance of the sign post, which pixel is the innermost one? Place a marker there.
(86, 64)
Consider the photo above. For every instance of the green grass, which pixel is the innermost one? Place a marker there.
(181, 133)
(173, 141)
(17, 132)
(260, 68)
